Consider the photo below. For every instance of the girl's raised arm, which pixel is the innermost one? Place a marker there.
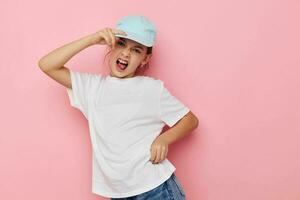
(53, 63)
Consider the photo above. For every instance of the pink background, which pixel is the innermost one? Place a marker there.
(234, 63)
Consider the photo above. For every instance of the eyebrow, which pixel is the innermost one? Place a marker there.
(137, 46)
(140, 47)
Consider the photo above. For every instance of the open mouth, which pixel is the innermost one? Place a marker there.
(122, 64)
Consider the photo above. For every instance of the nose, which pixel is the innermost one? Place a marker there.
(126, 52)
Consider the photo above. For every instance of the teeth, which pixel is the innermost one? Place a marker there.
(122, 61)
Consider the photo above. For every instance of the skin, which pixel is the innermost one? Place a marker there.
(131, 51)
(182, 128)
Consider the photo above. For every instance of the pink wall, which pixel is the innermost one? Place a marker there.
(234, 63)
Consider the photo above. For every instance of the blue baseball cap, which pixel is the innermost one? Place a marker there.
(137, 28)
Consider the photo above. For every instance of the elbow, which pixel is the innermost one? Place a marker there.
(193, 120)
(196, 122)
(40, 65)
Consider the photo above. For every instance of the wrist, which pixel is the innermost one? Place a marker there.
(90, 39)
(168, 137)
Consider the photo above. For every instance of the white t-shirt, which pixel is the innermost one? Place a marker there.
(124, 117)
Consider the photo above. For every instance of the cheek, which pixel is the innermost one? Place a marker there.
(137, 61)
(139, 58)
(114, 53)
(113, 56)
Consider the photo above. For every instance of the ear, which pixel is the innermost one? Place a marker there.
(146, 59)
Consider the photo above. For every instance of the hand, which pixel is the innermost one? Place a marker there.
(159, 149)
(106, 36)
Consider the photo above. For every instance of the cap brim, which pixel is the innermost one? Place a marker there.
(136, 38)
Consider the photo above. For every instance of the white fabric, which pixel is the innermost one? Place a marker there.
(125, 116)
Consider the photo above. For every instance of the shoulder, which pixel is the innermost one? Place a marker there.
(152, 81)
(94, 78)
(86, 80)
(86, 75)
(151, 85)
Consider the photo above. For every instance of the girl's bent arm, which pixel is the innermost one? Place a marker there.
(53, 63)
(181, 128)
(58, 57)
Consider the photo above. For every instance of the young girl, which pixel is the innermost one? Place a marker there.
(126, 113)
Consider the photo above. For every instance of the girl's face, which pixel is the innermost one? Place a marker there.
(126, 57)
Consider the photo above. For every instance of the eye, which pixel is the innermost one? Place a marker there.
(136, 50)
(120, 43)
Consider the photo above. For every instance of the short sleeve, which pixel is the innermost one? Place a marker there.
(170, 108)
(82, 83)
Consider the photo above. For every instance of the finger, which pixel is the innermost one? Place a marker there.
(166, 152)
(113, 39)
(108, 36)
(119, 32)
(158, 153)
(105, 38)
(153, 154)
(163, 154)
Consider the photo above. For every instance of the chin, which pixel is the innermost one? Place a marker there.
(118, 74)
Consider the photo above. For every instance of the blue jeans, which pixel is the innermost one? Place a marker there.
(171, 189)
